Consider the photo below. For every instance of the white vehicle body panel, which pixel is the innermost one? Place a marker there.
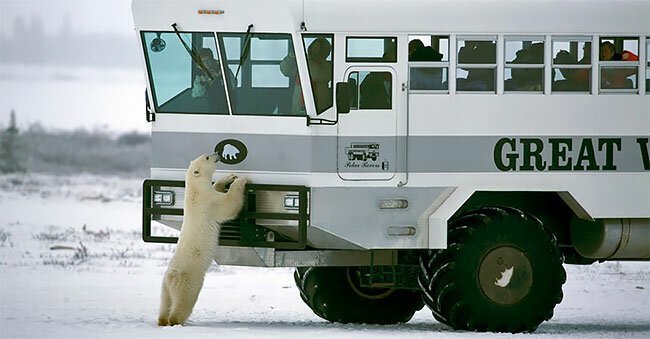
(466, 119)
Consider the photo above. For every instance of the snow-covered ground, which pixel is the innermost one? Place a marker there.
(72, 265)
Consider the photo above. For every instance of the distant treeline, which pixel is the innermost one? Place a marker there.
(31, 44)
(82, 151)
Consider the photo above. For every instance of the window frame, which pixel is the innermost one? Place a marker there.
(431, 64)
(494, 66)
(349, 59)
(510, 65)
(442, 65)
(613, 65)
(576, 66)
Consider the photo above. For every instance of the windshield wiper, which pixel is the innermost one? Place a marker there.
(194, 55)
(244, 54)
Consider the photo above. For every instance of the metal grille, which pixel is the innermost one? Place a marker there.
(242, 231)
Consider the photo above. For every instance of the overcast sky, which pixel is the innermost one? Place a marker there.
(86, 16)
(99, 97)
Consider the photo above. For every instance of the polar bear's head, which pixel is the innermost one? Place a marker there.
(203, 166)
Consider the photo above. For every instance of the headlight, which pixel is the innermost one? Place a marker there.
(291, 202)
(163, 198)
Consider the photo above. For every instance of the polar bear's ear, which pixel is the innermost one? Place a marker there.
(196, 173)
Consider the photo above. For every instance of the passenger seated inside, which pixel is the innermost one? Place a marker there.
(419, 52)
(207, 86)
(477, 52)
(424, 78)
(616, 78)
(375, 91)
(575, 80)
(320, 73)
(527, 79)
(608, 53)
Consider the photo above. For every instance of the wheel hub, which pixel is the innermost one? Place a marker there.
(352, 275)
(505, 275)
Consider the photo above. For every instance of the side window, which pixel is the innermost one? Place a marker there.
(371, 49)
(319, 52)
(185, 72)
(619, 62)
(429, 63)
(371, 90)
(477, 63)
(263, 67)
(571, 65)
(524, 70)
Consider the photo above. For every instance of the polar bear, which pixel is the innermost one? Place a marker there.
(205, 207)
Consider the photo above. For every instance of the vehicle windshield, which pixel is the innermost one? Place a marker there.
(185, 72)
(267, 74)
(191, 72)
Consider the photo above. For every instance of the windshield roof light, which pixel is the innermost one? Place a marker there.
(211, 11)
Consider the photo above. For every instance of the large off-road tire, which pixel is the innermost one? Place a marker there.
(334, 294)
(501, 272)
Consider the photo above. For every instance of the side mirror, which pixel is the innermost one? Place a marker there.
(343, 97)
(157, 44)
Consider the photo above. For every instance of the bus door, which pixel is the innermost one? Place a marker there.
(367, 135)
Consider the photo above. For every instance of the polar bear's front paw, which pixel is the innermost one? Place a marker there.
(224, 182)
(228, 179)
(242, 181)
(239, 183)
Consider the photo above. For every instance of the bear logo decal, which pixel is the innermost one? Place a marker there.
(231, 151)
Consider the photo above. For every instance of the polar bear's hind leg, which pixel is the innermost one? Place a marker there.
(165, 305)
(184, 287)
